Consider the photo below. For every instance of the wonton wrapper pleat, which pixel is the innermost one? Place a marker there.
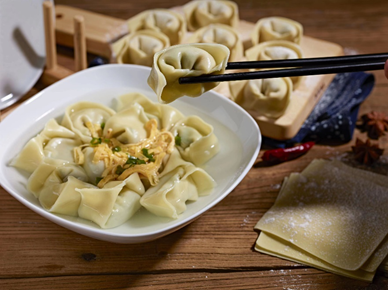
(180, 181)
(263, 97)
(78, 114)
(128, 124)
(92, 169)
(168, 198)
(204, 182)
(202, 13)
(276, 50)
(139, 47)
(166, 115)
(166, 21)
(69, 199)
(221, 34)
(54, 186)
(38, 178)
(277, 28)
(183, 61)
(33, 153)
(113, 204)
(198, 142)
(61, 148)
(63, 190)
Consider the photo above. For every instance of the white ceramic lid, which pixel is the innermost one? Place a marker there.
(22, 48)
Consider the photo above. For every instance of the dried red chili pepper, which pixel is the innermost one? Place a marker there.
(281, 155)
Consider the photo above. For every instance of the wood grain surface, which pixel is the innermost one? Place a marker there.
(215, 251)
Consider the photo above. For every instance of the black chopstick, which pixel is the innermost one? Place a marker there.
(295, 72)
(310, 62)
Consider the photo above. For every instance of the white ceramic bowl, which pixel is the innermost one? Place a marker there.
(238, 133)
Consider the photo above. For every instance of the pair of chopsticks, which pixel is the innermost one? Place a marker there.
(298, 67)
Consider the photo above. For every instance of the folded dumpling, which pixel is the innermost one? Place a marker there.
(54, 186)
(33, 153)
(276, 50)
(61, 148)
(180, 182)
(186, 60)
(277, 28)
(203, 12)
(166, 21)
(197, 142)
(113, 204)
(65, 190)
(165, 115)
(222, 34)
(92, 168)
(82, 118)
(139, 47)
(263, 97)
(127, 125)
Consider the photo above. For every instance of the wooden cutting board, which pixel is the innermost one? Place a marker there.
(102, 31)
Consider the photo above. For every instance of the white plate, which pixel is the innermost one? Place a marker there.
(238, 133)
(22, 48)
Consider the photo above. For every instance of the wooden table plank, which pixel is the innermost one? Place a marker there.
(295, 279)
(216, 250)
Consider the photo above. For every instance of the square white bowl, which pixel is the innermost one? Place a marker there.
(238, 134)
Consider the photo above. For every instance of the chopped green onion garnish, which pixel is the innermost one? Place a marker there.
(106, 140)
(132, 161)
(119, 170)
(146, 154)
(95, 141)
(178, 140)
(116, 149)
(102, 126)
(98, 179)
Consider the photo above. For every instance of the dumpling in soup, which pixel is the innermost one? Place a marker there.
(165, 115)
(197, 142)
(182, 61)
(263, 97)
(180, 182)
(84, 117)
(42, 146)
(202, 13)
(113, 204)
(277, 28)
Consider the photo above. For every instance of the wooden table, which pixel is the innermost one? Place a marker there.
(215, 251)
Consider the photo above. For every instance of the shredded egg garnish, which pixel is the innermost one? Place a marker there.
(122, 160)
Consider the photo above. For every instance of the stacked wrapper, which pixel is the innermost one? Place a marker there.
(332, 217)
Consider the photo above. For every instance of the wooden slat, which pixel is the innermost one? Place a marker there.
(49, 31)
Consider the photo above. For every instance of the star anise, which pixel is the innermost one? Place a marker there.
(366, 153)
(375, 123)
